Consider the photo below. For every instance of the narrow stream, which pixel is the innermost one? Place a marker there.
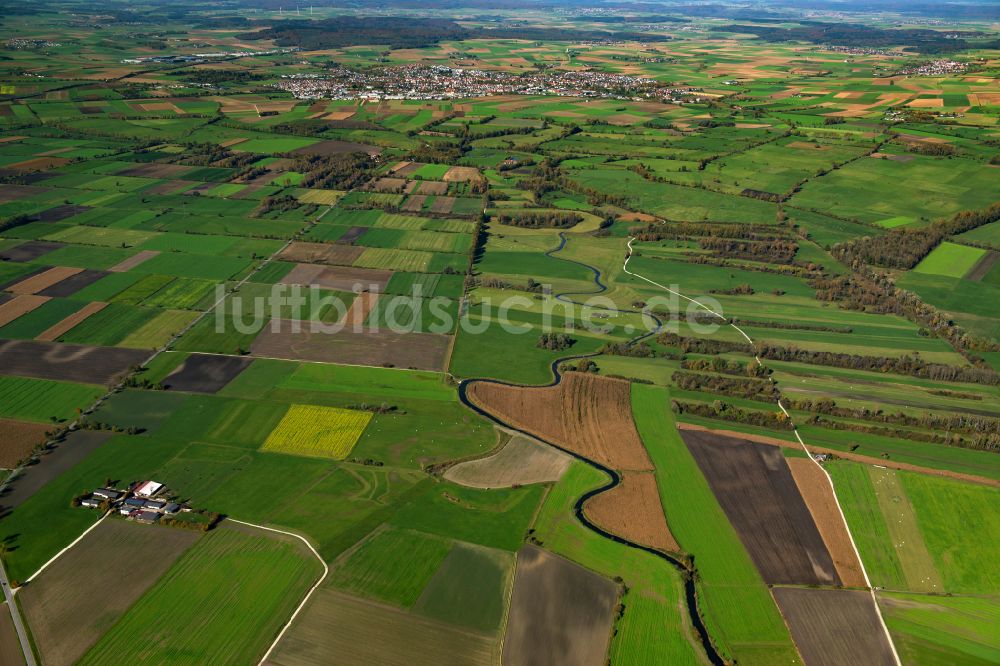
(686, 570)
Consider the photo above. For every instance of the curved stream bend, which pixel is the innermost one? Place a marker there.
(687, 570)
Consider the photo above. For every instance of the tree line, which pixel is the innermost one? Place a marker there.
(904, 248)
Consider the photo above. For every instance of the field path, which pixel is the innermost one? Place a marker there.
(854, 545)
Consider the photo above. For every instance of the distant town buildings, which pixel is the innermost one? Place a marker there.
(441, 82)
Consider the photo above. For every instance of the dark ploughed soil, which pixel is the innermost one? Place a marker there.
(205, 373)
(758, 493)
(834, 627)
(72, 363)
(560, 613)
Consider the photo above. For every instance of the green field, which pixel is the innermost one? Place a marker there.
(232, 573)
(950, 260)
(730, 583)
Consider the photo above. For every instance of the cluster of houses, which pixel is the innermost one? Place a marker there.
(143, 502)
(441, 82)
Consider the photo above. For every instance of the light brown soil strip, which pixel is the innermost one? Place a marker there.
(588, 415)
(632, 510)
(362, 305)
(17, 440)
(983, 266)
(321, 253)
(414, 203)
(458, 174)
(19, 305)
(868, 460)
(133, 261)
(520, 461)
(37, 283)
(815, 490)
(69, 322)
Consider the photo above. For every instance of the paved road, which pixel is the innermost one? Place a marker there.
(22, 633)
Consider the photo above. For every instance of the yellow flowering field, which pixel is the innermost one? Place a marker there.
(318, 432)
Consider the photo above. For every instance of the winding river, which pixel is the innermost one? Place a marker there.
(687, 570)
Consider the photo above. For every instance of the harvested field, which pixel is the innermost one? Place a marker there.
(560, 613)
(340, 278)
(60, 603)
(819, 498)
(321, 253)
(72, 284)
(632, 510)
(360, 308)
(53, 332)
(406, 169)
(352, 234)
(459, 174)
(414, 203)
(77, 446)
(10, 193)
(60, 213)
(755, 489)
(39, 164)
(367, 632)
(423, 351)
(19, 305)
(435, 187)
(388, 185)
(170, 187)
(133, 261)
(29, 251)
(37, 283)
(172, 171)
(73, 363)
(590, 416)
(206, 373)
(443, 205)
(519, 462)
(333, 147)
(18, 439)
(834, 627)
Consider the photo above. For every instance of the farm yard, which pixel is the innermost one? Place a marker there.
(396, 306)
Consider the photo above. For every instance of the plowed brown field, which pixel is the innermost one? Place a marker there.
(18, 439)
(632, 510)
(590, 416)
(818, 495)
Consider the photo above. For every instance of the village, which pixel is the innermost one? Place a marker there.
(442, 82)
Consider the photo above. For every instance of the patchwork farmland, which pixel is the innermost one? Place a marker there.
(508, 334)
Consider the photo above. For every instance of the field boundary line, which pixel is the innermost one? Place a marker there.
(305, 599)
(63, 551)
(829, 479)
